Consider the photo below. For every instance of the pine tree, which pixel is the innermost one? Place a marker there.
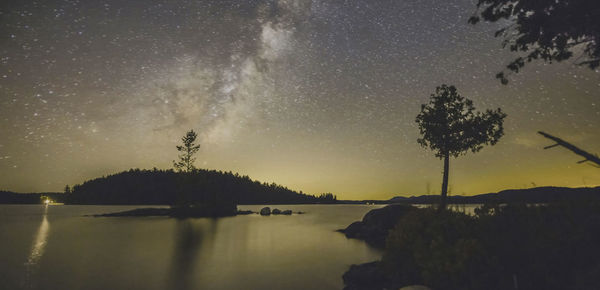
(188, 149)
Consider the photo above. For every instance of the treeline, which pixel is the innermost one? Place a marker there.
(327, 198)
(137, 186)
(29, 198)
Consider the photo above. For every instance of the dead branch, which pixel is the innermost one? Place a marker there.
(560, 142)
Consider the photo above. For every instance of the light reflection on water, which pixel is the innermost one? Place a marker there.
(37, 250)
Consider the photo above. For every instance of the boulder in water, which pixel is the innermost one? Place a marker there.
(265, 211)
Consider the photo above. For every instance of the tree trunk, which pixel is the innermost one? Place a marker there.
(443, 201)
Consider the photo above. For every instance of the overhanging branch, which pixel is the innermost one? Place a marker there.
(560, 142)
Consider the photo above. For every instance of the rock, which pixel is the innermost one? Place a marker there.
(415, 287)
(371, 276)
(375, 224)
(276, 211)
(354, 230)
(364, 276)
(286, 212)
(265, 211)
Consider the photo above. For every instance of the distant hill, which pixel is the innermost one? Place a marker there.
(164, 186)
(529, 195)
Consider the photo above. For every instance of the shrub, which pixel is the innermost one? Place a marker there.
(555, 246)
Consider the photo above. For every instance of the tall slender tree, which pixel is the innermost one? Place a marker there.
(450, 126)
(187, 151)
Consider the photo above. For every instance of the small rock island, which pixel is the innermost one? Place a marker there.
(195, 211)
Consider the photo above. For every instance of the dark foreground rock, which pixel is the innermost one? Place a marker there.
(375, 224)
(373, 229)
(415, 287)
(370, 276)
(366, 276)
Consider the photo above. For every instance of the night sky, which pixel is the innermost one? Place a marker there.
(319, 96)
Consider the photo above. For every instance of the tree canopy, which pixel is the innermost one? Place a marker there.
(551, 30)
(449, 124)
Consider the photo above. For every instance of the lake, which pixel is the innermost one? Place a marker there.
(57, 247)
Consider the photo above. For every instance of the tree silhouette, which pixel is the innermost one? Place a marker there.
(189, 148)
(560, 142)
(327, 198)
(548, 30)
(450, 126)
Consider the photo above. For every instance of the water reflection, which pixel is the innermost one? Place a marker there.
(37, 250)
(242, 252)
(192, 237)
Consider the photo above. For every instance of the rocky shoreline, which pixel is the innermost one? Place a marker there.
(373, 229)
(376, 224)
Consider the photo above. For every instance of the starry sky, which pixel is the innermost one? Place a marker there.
(319, 96)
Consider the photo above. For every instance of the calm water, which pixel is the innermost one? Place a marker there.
(56, 247)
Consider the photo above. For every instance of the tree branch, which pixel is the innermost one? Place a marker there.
(560, 142)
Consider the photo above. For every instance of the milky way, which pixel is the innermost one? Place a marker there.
(316, 95)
